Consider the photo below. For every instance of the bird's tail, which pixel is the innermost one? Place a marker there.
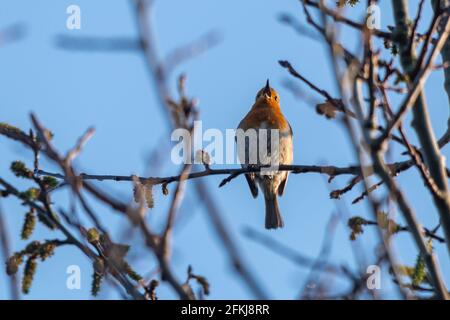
(274, 219)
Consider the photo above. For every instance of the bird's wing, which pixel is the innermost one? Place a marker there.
(283, 184)
(250, 177)
(284, 181)
(252, 184)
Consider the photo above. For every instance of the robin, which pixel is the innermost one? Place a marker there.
(266, 114)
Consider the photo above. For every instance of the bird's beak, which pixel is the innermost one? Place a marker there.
(267, 91)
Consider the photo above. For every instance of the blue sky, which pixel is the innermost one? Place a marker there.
(70, 91)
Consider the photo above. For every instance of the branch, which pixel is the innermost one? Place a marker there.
(445, 52)
(421, 121)
(398, 228)
(381, 169)
(6, 250)
(415, 89)
(331, 171)
(335, 102)
(73, 180)
(339, 18)
(48, 215)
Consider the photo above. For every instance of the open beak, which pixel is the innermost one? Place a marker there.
(267, 91)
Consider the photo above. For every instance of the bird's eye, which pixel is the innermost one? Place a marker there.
(276, 98)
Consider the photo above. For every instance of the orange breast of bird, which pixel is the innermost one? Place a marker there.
(264, 115)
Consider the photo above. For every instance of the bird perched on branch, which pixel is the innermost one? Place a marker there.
(265, 127)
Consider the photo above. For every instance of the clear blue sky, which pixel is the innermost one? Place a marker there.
(71, 91)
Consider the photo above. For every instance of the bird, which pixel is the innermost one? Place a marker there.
(266, 114)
